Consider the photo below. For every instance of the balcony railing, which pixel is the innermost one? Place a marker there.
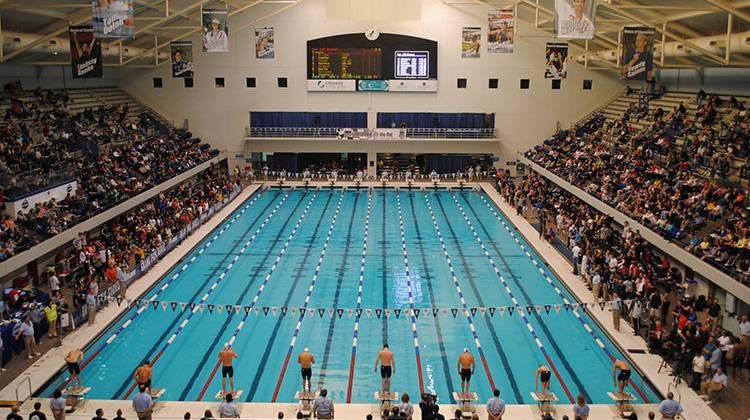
(372, 134)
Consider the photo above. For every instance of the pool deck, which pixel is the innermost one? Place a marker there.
(50, 363)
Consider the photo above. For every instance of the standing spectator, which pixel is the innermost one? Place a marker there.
(26, 330)
(635, 316)
(37, 413)
(54, 284)
(699, 365)
(495, 406)
(13, 415)
(616, 311)
(580, 408)
(745, 330)
(99, 415)
(228, 409)
(91, 306)
(323, 406)
(406, 409)
(122, 279)
(143, 404)
(57, 405)
(50, 311)
(119, 415)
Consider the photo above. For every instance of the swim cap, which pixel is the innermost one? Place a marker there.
(306, 349)
(466, 350)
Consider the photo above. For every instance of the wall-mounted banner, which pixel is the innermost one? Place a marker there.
(327, 85)
(637, 61)
(264, 43)
(500, 35)
(85, 53)
(556, 55)
(574, 19)
(471, 39)
(113, 18)
(182, 58)
(215, 30)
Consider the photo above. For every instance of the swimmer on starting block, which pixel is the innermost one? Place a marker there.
(73, 360)
(387, 368)
(621, 379)
(466, 366)
(227, 355)
(543, 375)
(306, 360)
(143, 375)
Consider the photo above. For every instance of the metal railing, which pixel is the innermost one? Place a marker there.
(361, 133)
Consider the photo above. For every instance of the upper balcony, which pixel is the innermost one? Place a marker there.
(371, 133)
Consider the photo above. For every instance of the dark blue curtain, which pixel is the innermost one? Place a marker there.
(285, 161)
(447, 164)
(309, 119)
(435, 120)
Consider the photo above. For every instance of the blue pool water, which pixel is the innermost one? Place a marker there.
(284, 249)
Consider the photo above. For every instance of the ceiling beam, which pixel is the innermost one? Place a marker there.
(730, 8)
(156, 23)
(45, 38)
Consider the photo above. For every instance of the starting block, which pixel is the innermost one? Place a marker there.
(305, 398)
(156, 393)
(466, 399)
(221, 395)
(74, 396)
(386, 399)
(622, 401)
(545, 401)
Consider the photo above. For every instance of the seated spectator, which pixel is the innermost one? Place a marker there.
(14, 413)
(99, 415)
(713, 387)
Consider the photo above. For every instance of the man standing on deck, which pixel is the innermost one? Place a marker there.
(305, 360)
(466, 367)
(227, 355)
(387, 368)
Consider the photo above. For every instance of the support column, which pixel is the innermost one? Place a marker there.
(372, 163)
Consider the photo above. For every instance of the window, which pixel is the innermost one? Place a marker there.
(494, 83)
(525, 83)
(250, 82)
(556, 84)
(587, 84)
(461, 83)
(158, 83)
(219, 81)
(282, 82)
(188, 82)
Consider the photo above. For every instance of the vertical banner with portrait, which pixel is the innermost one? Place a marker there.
(501, 28)
(113, 18)
(264, 43)
(471, 38)
(85, 53)
(215, 30)
(556, 60)
(637, 59)
(182, 58)
(574, 19)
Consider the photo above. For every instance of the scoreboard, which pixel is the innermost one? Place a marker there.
(412, 64)
(347, 63)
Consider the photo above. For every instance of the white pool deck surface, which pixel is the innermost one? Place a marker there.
(51, 362)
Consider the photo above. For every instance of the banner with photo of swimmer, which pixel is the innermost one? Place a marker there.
(574, 19)
(182, 58)
(471, 38)
(85, 53)
(501, 25)
(637, 60)
(215, 30)
(264, 43)
(556, 64)
(113, 18)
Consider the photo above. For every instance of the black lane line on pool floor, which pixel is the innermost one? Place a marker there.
(259, 268)
(538, 318)
(339, 280)
(384, 269)
(297, 276)
(428, 279)
(128, 380)
(478, 294)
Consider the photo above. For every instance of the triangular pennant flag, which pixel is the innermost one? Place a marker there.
(349, 313)
(137, 302)
(302, 311)
(519, 310)
(237, 309)
(387, 313)
(228, 308)
(483, 312)
(538, 309)
(435, 312)
(275, 311)
(339, 312)
(397, 312)
(155, 304)
(265, 310)
(529, 308)
(466, 312)
(201, 308)
(557, 308)
(547, 308)
(256, 311)
(416, 313)
(575, 306)
(321, 311)
(210, 307)
(368, 311)
(283, 311)
(192, 306)
(173, 305)
(293, 311)
(119, 301)
(247, 309)
(501, 310)
(473, 311)
(164, 306)
(219, 309)
(183, 306)
(492, 310)
(454, 311)
(331, 312)
(311, 313)
(567, 307)
(510, 310)
(359, 312)
(601, 305)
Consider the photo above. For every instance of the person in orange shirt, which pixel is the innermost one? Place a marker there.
(305, 360)
(227, 355)
(143, 375)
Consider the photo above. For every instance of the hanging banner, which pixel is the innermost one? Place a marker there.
(637, 60)
(264, 43)
(471, 38)
(182, 58)
(574, 19)
(215, 30)
(501, 29)
(85, 53)
(113, 18)
(556, 66)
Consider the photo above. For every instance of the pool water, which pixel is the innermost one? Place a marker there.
(331, 270)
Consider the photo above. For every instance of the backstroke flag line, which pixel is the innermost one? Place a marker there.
(574, 19)
(556, 56)
(85, 53)
(215, 30)
(182, 58)
(501, 28)
(113, 18)
(637, 60)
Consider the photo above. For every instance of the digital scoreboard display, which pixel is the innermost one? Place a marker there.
(412, 64)
(346, 63)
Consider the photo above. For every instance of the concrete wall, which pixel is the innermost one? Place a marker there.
(220, 115)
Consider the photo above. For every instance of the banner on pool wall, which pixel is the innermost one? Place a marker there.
(501, 25)
(556, 60)
(113, 18)
(85, 53)
(637, 60)
(182, 58)
(215, 30)
(471, 39)
(264, 43)
(574, 19)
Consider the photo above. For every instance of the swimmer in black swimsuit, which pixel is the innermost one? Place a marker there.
(621, 379)
(543, 375)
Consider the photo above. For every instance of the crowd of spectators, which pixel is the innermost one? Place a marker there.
(678, 190)
(644, 288)
(113, 154)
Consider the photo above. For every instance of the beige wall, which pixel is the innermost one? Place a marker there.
(523, 117)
